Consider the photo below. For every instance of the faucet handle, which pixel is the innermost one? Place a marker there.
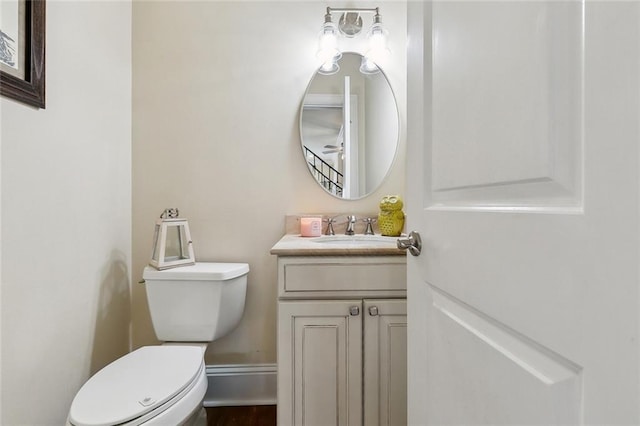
(370, 221)
(330, 221)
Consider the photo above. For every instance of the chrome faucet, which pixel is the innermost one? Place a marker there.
(351, 223)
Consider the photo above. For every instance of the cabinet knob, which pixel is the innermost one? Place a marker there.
(373, 311)
(354, 310)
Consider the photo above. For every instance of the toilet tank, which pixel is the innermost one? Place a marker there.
(196, 303)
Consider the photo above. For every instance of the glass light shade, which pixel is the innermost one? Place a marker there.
(329, 67)
(367, 66)
(378, 50)
(328, 43)
(172, 245)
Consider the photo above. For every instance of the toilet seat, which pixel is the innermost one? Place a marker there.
(140, 386)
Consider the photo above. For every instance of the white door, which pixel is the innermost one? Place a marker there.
(523, 181)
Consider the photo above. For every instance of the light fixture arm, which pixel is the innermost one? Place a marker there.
(327, 16)
(353, 9)
(377, 19)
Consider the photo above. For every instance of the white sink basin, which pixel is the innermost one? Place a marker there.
(359, 240)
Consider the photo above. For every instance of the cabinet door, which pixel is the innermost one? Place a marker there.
(385, 362)
(320, 363)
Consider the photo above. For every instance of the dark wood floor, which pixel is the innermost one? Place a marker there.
(259, 415)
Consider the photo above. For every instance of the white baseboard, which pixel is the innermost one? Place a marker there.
(241, 384)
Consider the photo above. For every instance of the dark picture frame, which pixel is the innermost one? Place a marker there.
(31, 90)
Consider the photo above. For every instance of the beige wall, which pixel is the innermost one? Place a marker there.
(66, 206)
(216, 92)
(217, 88)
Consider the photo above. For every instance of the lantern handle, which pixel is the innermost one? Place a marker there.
(169, 213)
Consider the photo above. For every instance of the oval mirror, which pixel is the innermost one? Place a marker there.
(349, 128)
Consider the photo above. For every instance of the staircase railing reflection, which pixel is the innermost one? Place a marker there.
(330, 178)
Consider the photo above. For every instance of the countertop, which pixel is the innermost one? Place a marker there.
(361, 245)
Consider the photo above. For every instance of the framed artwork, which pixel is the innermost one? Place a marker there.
(22, 51)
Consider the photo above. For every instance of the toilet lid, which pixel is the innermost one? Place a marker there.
(209, 271)
(135, 385)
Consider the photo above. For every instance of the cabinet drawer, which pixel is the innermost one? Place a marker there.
(336, 277)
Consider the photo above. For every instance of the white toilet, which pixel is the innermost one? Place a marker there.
(165, 385)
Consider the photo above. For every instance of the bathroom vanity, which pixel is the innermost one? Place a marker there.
(341, 331)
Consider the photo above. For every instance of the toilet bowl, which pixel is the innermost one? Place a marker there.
(154, 385)
(166, 384)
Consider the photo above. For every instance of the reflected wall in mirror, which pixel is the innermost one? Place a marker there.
(349, 128)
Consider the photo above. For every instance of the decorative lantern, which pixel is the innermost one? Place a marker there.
(172, 245)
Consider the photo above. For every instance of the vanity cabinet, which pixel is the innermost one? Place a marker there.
(342, 340)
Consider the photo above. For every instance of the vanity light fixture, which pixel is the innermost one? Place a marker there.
(350, 25)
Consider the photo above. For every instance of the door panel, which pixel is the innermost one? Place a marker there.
(385, 362)
(513, 70)
(523, 180)
(493, 372)
(324, 350)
